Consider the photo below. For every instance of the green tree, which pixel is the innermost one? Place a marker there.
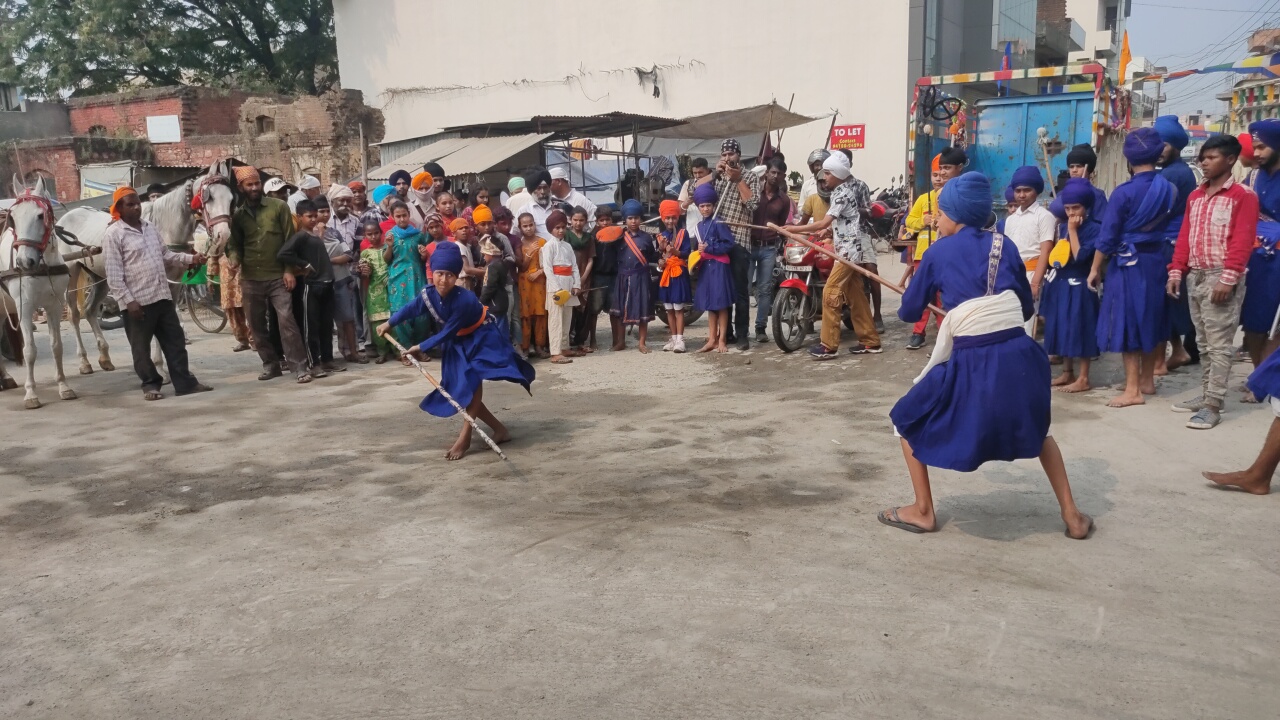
(97, 46)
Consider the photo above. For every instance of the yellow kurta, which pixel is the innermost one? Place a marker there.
(927, 203)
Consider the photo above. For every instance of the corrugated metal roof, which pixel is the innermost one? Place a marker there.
(461, 156)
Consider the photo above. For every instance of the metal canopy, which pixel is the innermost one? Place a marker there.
(461, 156)
(614, 124)
(759, 119)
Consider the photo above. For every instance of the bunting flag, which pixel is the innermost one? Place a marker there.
(1125, 57)
(1006, 63)
(1265, 65)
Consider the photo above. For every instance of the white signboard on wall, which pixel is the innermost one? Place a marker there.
(163, 129)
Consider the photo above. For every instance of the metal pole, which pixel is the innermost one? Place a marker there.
(364, 158)
(783, 131)
(17, 156)
(834, 115)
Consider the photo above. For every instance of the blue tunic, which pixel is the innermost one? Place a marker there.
(1099, 202)
(1262, 282)
(1265, 381)
(680, 290)
(469, 358)
(1069, 307)
(715, 279)
(1179, 308)
(1133, 316)
(631, 299)
(991, 399)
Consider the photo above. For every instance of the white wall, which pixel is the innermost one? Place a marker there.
(418, 62)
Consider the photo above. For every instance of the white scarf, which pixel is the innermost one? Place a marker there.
(978, 316)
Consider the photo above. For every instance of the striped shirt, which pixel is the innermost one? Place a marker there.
(137, 260)
(1218, 232)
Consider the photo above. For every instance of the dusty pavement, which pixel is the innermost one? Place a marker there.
(676, 537)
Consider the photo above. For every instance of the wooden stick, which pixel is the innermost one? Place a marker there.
(851, 265)
(445, 393)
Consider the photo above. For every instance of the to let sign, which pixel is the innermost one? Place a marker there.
(848, 137)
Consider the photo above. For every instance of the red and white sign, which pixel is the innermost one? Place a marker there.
(848, 137)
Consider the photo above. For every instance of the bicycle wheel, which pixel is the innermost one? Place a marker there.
(204, 309)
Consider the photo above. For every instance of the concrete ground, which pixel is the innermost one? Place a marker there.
(675, 537)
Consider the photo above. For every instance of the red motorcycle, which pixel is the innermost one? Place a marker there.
(797, 304)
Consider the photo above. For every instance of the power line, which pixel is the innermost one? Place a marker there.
(1192, 7)
(1230, 36)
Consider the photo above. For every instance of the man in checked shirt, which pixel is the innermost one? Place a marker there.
(1213, 248)
(136, 258)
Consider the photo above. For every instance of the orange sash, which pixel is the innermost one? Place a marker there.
(674, 268)
(1032, 264)
(562, 270)
(484, 313)
(634, 248)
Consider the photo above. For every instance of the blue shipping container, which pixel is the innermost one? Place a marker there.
(1006, 135)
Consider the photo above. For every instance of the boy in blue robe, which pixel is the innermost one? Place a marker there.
(1262, 291)
(1069, 307)
(632, 301)
(985, 393)
(1133, 317)
(1081, 162)
(1175, 170)
(473, 345)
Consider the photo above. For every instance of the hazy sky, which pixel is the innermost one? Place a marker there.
(1211, 32)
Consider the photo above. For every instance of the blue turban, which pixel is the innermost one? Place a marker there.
(632, 208)
(704, 194)
(1171, 131)
(1267, 131)
(1058, 208)
(1009, 196)
(381, 192)
(447, 257)
(399, 175)
(1143, 146)
(1077, 191)
(1027, 176)
(967, 199)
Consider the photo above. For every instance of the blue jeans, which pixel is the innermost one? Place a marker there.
(761, 273)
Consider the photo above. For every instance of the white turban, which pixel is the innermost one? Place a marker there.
(309, 182)
(337, 192)
(838, 165)
(559, 173)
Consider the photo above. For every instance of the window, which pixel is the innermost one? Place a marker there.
(10, 98)
(98, 131)
(264, 124)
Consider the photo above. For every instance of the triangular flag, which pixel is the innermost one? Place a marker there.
(1125, 56)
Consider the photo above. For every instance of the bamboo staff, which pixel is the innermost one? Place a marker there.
(851, 265)
(445, 393)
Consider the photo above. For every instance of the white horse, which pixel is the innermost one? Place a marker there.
(175, 219)
(34, 274)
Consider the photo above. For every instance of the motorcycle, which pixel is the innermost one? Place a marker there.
(888, 212)
(797, 304)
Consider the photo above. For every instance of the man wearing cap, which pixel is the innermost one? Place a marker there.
(739, 193)
(1133, 317)
(810, 186)
(155, 191)
(563, 192)
(259, 228)
(849, 200)
(137, 259)
(277, 188)
(1175, 170)
(1262, 293)
(1032, 228)
(308, 189)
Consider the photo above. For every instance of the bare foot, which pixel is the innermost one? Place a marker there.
(1080, 385)
(1065, 378)
(1148, 388)
(619, 347)
(706, 348)
(643, 348)
(722, 349)
(1243, 481)
(1079, 527)
(1176, 361)
(502, 437)
(1126, 400)
(1249, 398)
(1161, 370)
(458, 451)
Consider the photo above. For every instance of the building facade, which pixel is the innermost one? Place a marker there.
(1256, 97)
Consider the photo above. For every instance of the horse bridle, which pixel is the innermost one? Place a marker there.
(46, 207)
(202, 190)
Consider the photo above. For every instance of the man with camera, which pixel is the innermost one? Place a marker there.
(739, 193)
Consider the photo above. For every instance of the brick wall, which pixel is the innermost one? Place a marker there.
(62, 158)
(121, 118)
(1051, 11)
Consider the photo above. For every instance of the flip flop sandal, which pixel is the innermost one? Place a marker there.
(891, 519)
(149, 396)
(561, 361)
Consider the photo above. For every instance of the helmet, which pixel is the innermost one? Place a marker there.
(818, 156)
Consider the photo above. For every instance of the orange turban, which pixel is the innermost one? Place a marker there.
(458, 224)
(356, 185)
(937, 162)
(669, 208)
(245, 173)
(421, 180)
(482, 213)
(120, 193)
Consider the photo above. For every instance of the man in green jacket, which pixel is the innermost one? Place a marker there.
(259, 228)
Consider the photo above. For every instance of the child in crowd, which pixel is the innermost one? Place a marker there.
(675, 292)
(560, 264)
(404, 252)
(1069, 307)
(344, 290)
(497, 278)
(604, 277)
(632, 304)
(533, 290)
(464, 237)
(307, 252)
(715, 280)
(472, 348)
(447, 206)
(584, 250)
(373, 285)
(500, 230)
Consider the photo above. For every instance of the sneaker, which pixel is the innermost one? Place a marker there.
(679, 345)
(1195, 404)
(761, 338)
(861, 349)
(916, 342)
(1206, 419)
(671, 345)
(820, 352)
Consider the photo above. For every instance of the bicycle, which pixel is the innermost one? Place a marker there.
(203, 301)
